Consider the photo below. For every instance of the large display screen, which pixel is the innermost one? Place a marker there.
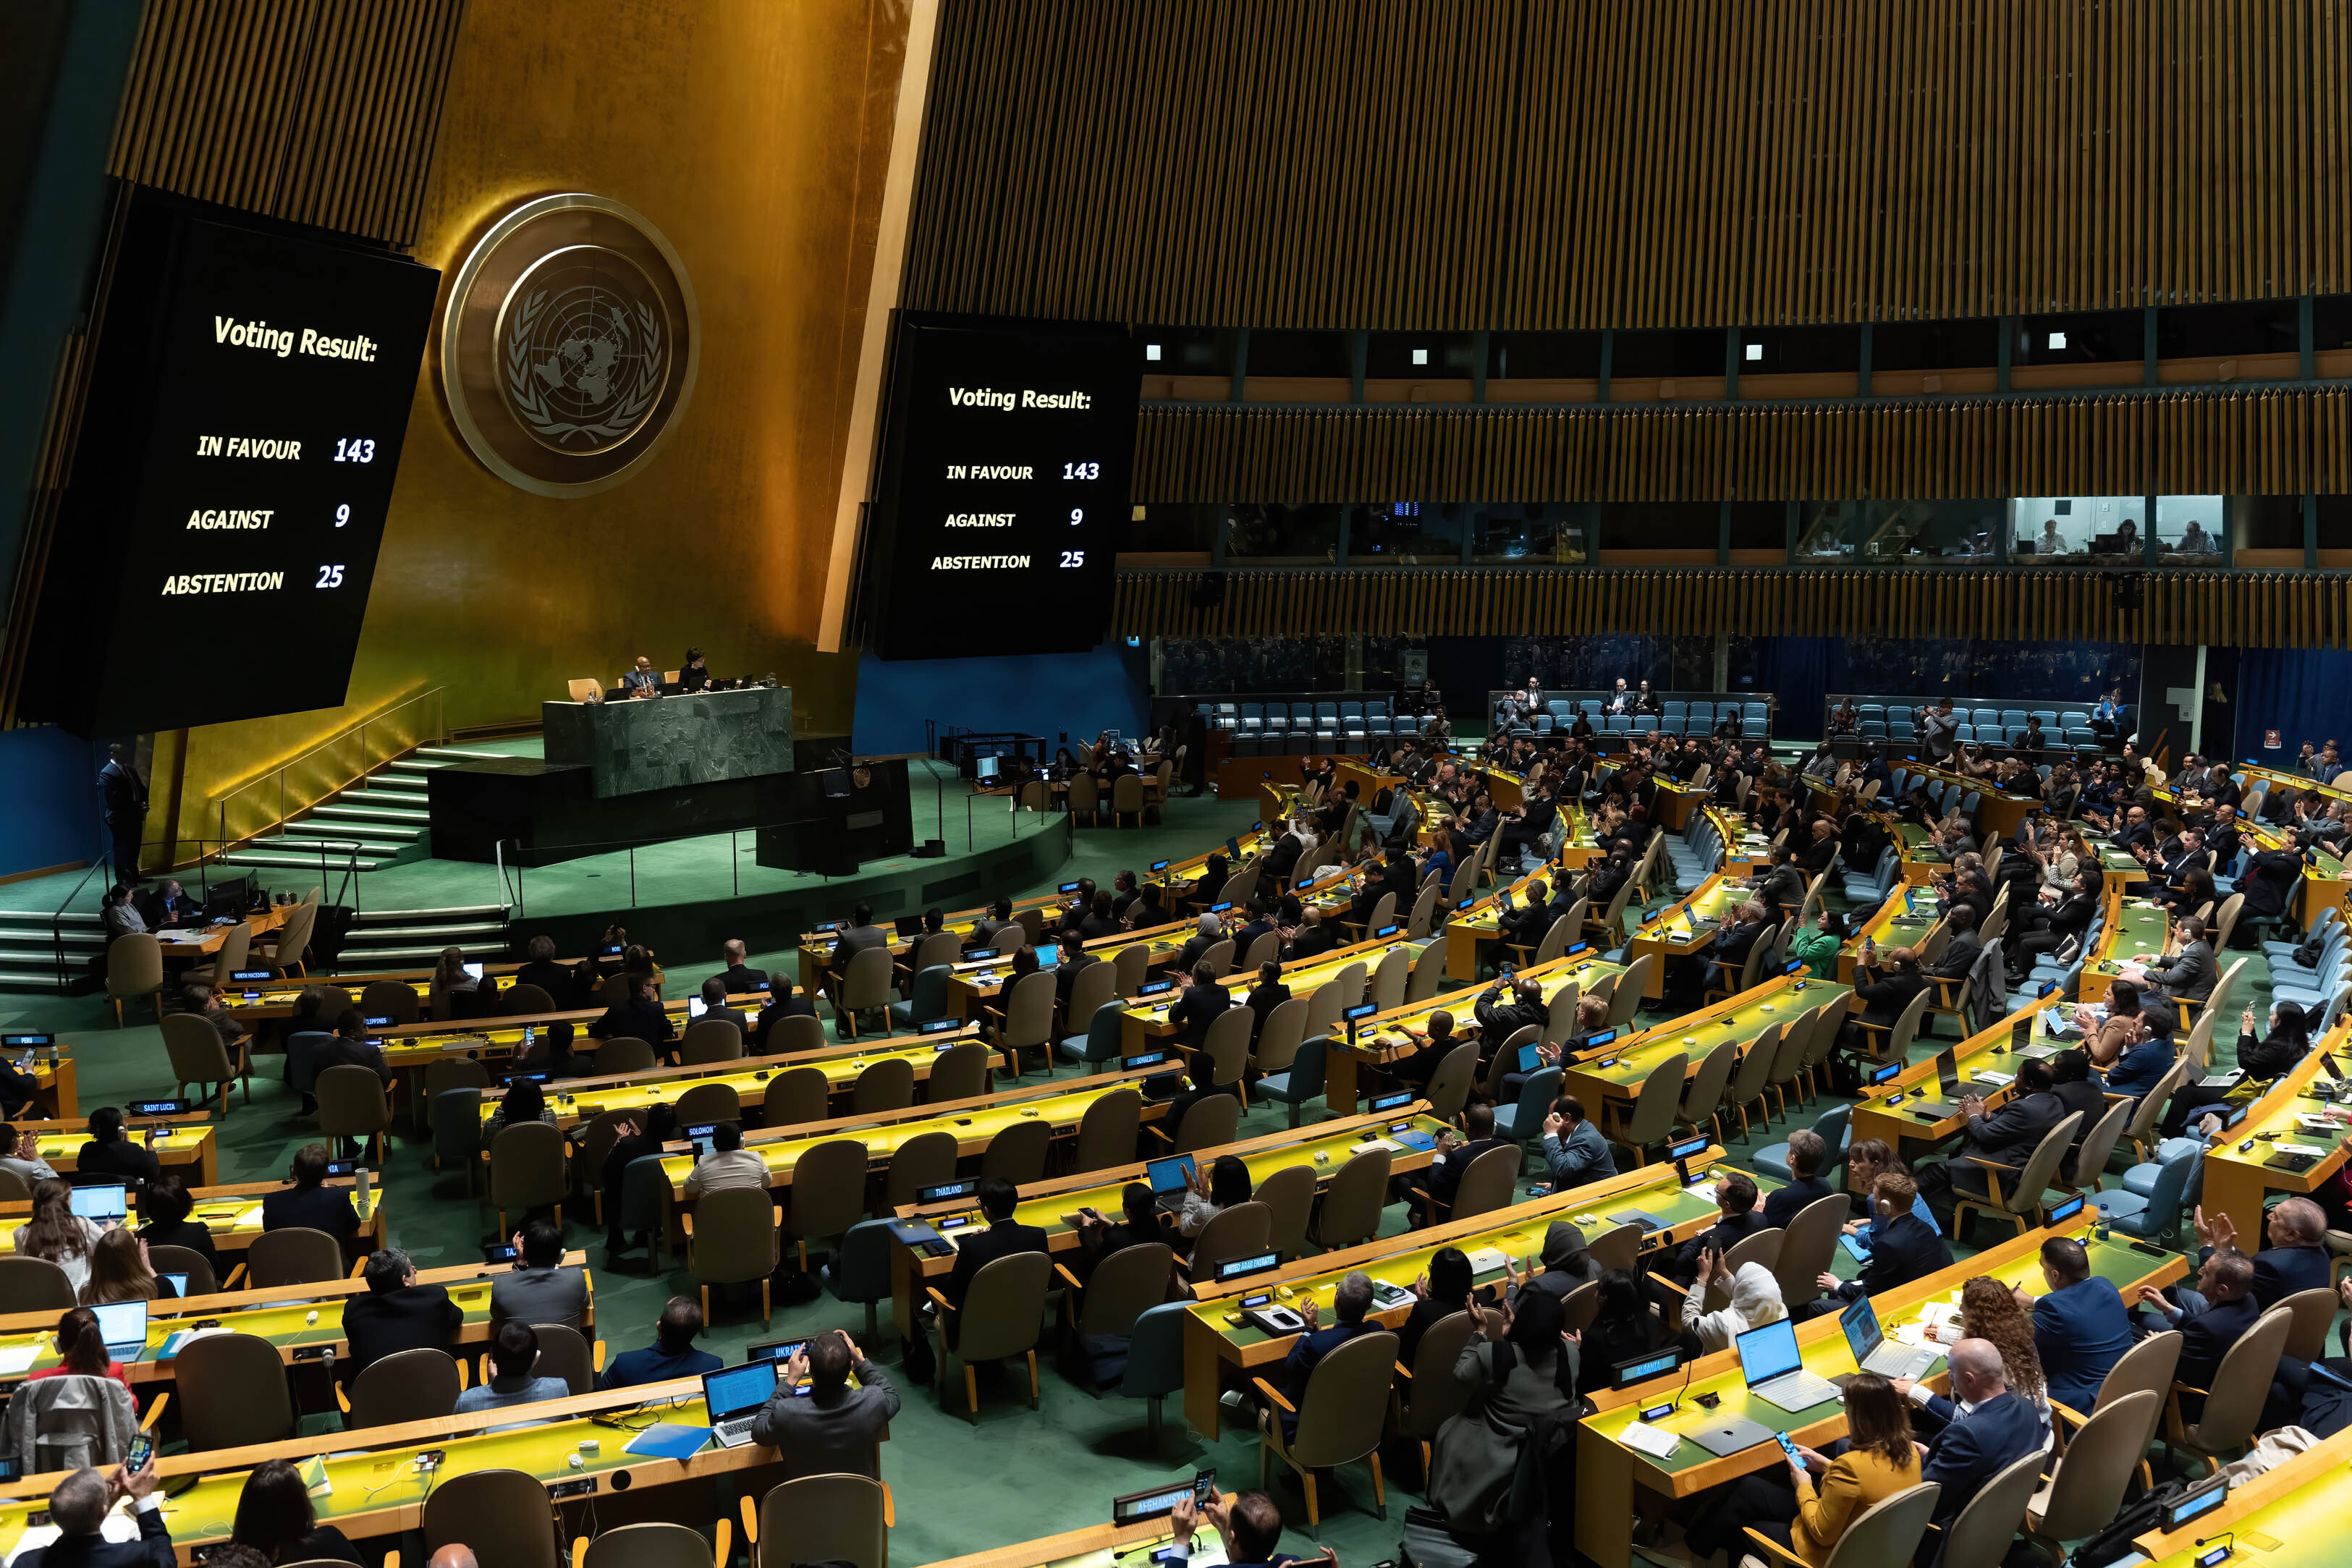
(236, 459)
(1003, 487)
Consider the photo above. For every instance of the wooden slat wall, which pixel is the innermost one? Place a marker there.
(2277, 442)
(1550, 163)
(2240, 609)
(321, 112)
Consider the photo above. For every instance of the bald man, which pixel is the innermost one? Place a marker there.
(740, 979)
(643, 680)
(454, 1556)
(1985, 1427)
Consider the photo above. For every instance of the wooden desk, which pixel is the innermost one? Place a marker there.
(184, 1144)
(54, 1088)
(283, 1316)
(1473, 924)
(1888, 1112)
(2236, 1183)
(2291, 1516)
(190, 944)
(1048, 1205)
(1061, 1105)
(1997, 813)
(1617, 1071)
(1903, 921)
(1216, 1348)
(1710, 901)
(377, 1491)
(1613, 1481)
(1380, 1040)
(1096, 1546)
(1144, 1022)
(233, 1215)
(2135, 931)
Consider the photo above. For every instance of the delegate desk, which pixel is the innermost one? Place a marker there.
(2136, 931)
(1380, 1040)
(2290, 1516)
(2327, 881)
(233, 1215)
(1615, 1481)
(1144, 1022)
(1469, 928)
(55, 1078)
(1615, 1072)
(1709, 903)
(191, 943)
(2289, 1123)
(374, 1488)
(1215, 1345)
(1903, 921)
(410, 1049)
(268, 1001)
(1096, 1546)
(1051, 1205)
(1891, 1110)
(1998, 811)
(183, 1144)
(302, 1320)
(974, 1122)
(578, 1100)
(975, 981)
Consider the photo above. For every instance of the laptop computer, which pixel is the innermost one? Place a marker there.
(1170, 1178)
(1873, 1352)
(1049, 955)
(1530, 1057)
(735, 1395)
(106, 1204)
(906, 928)
(1775, 1371)
(123, 1325)
(1951, 1085)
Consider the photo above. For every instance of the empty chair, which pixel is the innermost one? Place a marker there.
(34, 1285)
(1107, 1132)
(1350, 1209)
(232, 1393)
(927, 1159)
(707, 1040)
(625, 1054)
(1288, 1195)
(1241, 1232)
(199, 1058)
(1002, 1316)
(294, 1255)
(730, 1238)
(652, 1544)
(709, 1103)
(1209, 1122)
(961, 1071)
(527, 1171)
(836, 1518)
(827, 1195)
(797, 1095)
(134, 967)
(885, 1085)
(864, 990)
(1017, 1153)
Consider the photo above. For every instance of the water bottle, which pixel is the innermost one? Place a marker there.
(362, 1191)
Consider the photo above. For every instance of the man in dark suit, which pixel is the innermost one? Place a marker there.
(1197, 1005)
(559, 981)
(309, 1203)
(79, 1508)
(1310, 938)
(1806, 1153)
(2188, 972)
(985, 933)
(1984, 1429)
(2081, 1328)
(2137, 834)
(2225, 1286)
(2296, 1258)
(1734, 940)
(123, 796)
(635, 1016)
(1907, 1247)
(1454, 1153)
(1523, 925)
(1506, 1008)
(396, 1314)
(1887, 988)
(1003, 1238)
(1735, 1198)
(737, 978)
(1251, 1526)
(1960, 955)
(2007, 1137)
(714, 1006)
(783, 1002)
(1349, 1303)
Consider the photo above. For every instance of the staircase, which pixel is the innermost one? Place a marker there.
(28, 954)
(382, 819)
(413, 938)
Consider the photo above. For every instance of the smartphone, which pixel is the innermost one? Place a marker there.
(1788, 1448)
(142, 1448)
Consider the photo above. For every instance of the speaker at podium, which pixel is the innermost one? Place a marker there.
(832, 819)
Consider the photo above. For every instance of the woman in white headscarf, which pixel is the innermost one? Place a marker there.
(1755, 1301)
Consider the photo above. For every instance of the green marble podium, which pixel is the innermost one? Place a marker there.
(661, 743)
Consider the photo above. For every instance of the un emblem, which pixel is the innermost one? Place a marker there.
(568, 344)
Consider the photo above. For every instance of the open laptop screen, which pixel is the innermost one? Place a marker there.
(1171, 1174)
(1860, 1322)
(1768, 1352)
(738, 1390)
(123, 1325)
(106, 1204)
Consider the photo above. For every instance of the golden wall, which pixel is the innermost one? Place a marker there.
(753, 133)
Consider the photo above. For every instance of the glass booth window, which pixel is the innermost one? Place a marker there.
(2188, 530)
(1299, 535)
(1931, 533)
(1828, 530)
(1533, 533)
(2070, 531)
(1405, 533)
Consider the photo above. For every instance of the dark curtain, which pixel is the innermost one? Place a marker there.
(2299, 692)
(1795, 670)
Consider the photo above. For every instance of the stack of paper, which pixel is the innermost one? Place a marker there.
(18, 1358)
(1656, 1441)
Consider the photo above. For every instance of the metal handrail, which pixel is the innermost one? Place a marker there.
(368, 764)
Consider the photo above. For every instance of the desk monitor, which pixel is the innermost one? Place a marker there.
(2060, 1213)
(2327, 1065)
(106, 1204)
(1234, 848)
(2190, 1505)
(1168, 1176)
(1641, 1368)
(695, 1006)
(1256, 1263)
(1353, 1016)
(1948, 1072)
(179, 1283)
(736, 1391)
(700, 1137)
(1396, 1102)
(474, 970)
(984, 769)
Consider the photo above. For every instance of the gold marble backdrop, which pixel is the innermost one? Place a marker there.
(754, 134)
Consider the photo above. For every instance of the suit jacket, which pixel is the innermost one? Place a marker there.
(856, 940)
(382, 1322)
(1976, 1446)
(151, 1549)
(326, 1208)
(1884, 998)
(2079, 1333)
(1306, 1352)
(781, 1007)
(121, 1157)
(2188, 973)
(2010, 1134)
(2281, 1272)
(1262, 1000)
(740, 979)
(839, 1434)
(1196, 1008)
(1783, 1204)
(1725, 1233)
(1959, 956)
(559, 981)
(556, 1295)
(1905, 1249)
(339, 1050)
(639, 1018)
(1446, 1170)
(2207, 1337)
(1001, 1239)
